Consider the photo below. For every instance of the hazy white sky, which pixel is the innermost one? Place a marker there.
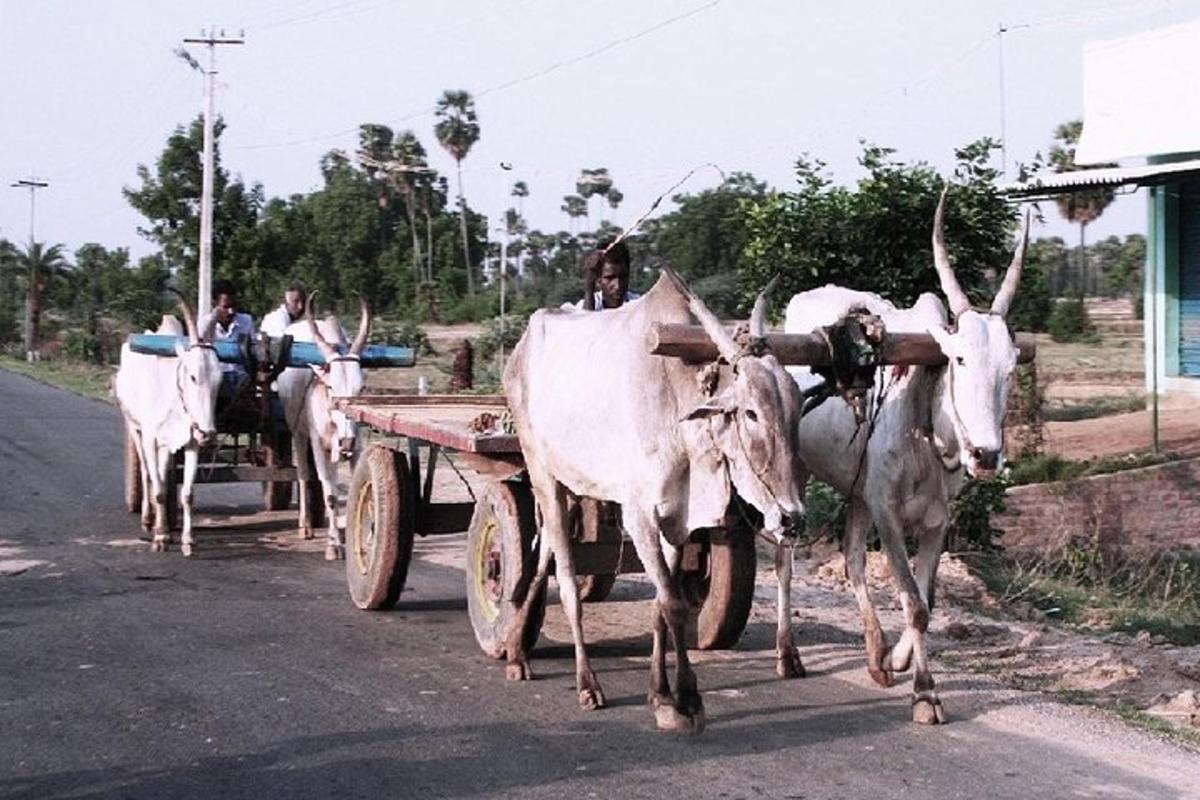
(648, 89)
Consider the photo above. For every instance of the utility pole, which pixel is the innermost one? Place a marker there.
(33, 184)
(210, 39)
(1000, 29)
(505, 168)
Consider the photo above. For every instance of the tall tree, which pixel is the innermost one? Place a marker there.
(1083, 207)
(457, 130)
(574, 207)
(36, 265)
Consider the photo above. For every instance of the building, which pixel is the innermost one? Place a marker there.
(1139, 113)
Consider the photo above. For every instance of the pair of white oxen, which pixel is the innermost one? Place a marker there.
(169, 405)
(671, 446)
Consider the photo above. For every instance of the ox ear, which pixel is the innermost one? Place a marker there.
(944, 338)
(718, 404)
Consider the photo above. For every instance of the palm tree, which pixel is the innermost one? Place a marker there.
(615, 196)
(1082, 207)
(574, 207)
(36, 265)
(593, 182)
(457, 130)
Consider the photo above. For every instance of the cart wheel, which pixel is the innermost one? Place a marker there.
(501, 562)
(277, 495)
(599, 522)
(722, 592)
(133, 476)
(379, 529)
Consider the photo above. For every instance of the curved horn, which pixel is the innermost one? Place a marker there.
(327, 350)
(189, 319)
(364, 327)
(1012, 277)
(758, 317)
(712, 326)
(941, 260)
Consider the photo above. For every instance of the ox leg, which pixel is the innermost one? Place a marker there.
(517, 668)
(147, 486)
(687, 713)
(660, 688)
(787, 664)
(303, 476)
(190, 458)
(554, 527)
(327, 475)
(926, 707)
(162, 531)
(858, 526)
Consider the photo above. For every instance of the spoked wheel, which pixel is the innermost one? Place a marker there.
(379, 529)
(598, 522)
(277, 495)
(721, 591)
(500, 565)
(133, 476)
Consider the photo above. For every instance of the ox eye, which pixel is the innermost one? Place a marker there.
(750, 415)
(960, 360)
(193, 377)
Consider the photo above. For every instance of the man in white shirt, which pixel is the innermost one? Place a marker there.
(606, 278)
(292, 310)
(230, 324)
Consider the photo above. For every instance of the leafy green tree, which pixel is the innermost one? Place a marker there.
(1083, 207)
(9, 291)
(875, 236)
(169, 198)
(457, 131)
(574, 207)
(1049, 256)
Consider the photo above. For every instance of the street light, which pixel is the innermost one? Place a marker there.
(505, 167)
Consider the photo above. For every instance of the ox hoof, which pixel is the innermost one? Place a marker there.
(885, 678)
(158, 546)
(927, 710)
(148, 525)
(335, 552)
(306, 533)
(591, 699)
(186, 549)
(789, 664)
(518, 671)
(669, 718)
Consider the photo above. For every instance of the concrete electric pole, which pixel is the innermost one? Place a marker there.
(210, 39)
(33, 184)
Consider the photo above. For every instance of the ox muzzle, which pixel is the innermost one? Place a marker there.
(203, 437)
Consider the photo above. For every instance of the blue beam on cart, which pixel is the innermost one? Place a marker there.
(303, 354)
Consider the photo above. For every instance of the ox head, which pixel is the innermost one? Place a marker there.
(981, 357)
(198, 377)
(754, 420)
(340, 376)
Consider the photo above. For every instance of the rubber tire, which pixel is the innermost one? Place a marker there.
(133, 476)
(595, 588)
(277, 495)
(726, 593)
(504, 513)
(378, 500)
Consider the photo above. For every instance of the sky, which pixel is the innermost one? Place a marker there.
(651, 90)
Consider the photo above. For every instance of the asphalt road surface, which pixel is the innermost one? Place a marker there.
(245, 672)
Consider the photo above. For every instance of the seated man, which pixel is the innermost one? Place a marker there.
(606, 278)
(230, 324)
(292, 310)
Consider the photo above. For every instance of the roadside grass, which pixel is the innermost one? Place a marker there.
(1082, 587)
(1050, 467)
(1131, 715)
(1094, 407)
(88, 380)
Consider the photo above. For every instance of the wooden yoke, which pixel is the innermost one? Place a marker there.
(692, 344)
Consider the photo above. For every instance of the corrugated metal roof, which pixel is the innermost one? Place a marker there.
(1111, 177)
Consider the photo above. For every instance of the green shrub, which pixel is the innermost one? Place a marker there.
(491, 340)
(825, 510)
(404, 333)
(1069, 322)
(83, 346)
(971, 516)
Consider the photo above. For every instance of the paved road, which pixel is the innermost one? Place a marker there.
(245, 672)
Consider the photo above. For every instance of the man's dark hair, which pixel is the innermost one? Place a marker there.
(223, 287)
(615, 253)
(296, 286)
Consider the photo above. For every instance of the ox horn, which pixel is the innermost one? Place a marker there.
(364, 327)
(941, 259)
(189, 319)
(327, 350)
(726, 346)
(758, 317)
(1012, 277)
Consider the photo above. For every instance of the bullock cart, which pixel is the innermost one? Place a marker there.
(255, 444)
(391, 501)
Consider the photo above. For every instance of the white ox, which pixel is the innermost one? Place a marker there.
(168, 404)
(901, 471)
(308, 398)
(600, 417)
